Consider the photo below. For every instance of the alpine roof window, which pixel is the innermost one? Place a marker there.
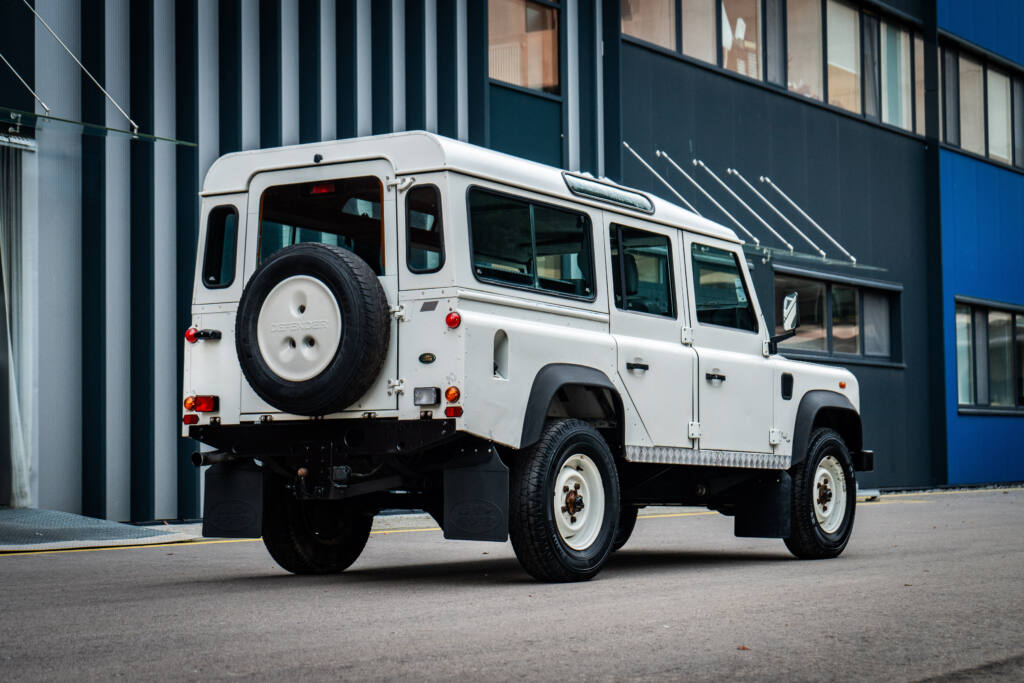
(221, 243)
(720, 290)
(642, 271)
(344, 213)
(424, 237)
(521, 243)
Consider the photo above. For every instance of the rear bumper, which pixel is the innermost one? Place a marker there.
(863, 461)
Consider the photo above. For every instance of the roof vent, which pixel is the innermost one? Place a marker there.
(606, 192)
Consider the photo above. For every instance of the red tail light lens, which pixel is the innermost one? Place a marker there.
(322, 188)
(453, 411)
(191, 335)
(453, 319)
(206, 404)
(190, 419)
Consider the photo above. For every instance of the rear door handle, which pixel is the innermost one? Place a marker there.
(714, 377)
(643, 367)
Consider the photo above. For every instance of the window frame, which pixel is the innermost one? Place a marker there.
(615, 232)
(440, 230)
(980, 310)
(890, 291)
(529, 200)
(206, 246)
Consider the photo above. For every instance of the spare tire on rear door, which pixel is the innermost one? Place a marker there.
(312, 329)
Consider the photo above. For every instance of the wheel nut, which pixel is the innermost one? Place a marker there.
(565, 489)
(579, 505)
(572, 519)
(565, 509)
(576, 486)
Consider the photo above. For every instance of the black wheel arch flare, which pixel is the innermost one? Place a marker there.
(546, 384)
(822, 408)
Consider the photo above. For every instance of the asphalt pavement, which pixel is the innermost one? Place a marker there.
(931, 586)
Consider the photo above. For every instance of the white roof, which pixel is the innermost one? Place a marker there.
(420, 152)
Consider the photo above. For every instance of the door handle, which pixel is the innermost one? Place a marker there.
(714, 377)
(642, 367)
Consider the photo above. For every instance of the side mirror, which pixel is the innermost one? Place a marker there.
(790, 321)
(790, 312)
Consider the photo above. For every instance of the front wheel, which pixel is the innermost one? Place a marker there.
(311, 536)
(564, 503)
(824, 498)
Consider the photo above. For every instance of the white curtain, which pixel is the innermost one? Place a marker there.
(10, 263)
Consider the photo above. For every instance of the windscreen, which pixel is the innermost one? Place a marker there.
(344, 213)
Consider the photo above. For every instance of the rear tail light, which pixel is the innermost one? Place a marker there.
(453, 411)
(202, 404)
(190, 419)
(452, 394)
(453, 319)
(191, 335)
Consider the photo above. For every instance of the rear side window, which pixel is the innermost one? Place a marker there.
(424, 238)
(344, 213)
(642, 271)
(525, 244)
(221, 240)
(719, 290)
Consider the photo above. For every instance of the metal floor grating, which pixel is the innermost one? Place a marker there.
(32, 529)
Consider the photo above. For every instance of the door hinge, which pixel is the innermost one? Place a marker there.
(401, 183)
(396, 386)
(766, 348)
(686, 336)
(774, 436)
(398, 312)
(693, 430)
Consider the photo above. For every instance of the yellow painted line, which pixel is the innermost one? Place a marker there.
(678, 514)
(124, 547)
(406, 531)
(893, 502)
(953, 493)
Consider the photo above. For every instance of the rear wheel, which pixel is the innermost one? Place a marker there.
(564, 503)
(311, 536)
(824, 498)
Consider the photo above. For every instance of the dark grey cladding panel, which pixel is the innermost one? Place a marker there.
(867, 185)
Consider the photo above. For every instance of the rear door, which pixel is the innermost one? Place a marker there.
(347, 205)
(647, 321)
(734, 376)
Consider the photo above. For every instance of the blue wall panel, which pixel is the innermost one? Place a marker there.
(996, 25)
(982, 256)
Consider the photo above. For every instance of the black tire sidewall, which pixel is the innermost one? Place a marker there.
(335, 387)
(829, 444)
(588, 443)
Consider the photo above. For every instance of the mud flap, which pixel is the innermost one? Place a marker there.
(233, 502)
(763, 511)
(476, 501)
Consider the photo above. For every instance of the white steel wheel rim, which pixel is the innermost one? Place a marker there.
(299, 328)
(828, 494)
(579, 482)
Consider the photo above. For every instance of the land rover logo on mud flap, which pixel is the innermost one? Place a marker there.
(298, 325)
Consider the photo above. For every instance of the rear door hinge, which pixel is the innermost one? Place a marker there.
(686, 336)
(399, 312)
(774, 436)
(401, 183)
(693, 430)
(766, 348)
(396, 386)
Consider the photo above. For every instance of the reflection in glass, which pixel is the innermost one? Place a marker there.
(998, 116)
(811, 301)
(972, 106)
(699, 29)
(843, 56)
(876, 324)
(895, 59)
(650, 20)
(1000, 358)
(523, 39)
(803, 31)
(741, 37)
(845, 320)
(424, 248)
(964, 355)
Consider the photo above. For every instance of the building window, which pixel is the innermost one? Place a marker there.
(1018, 122)
(989, 357)
(699, 29)
(741, 37)
(919, 85)
(999, 132)
(520, 243)
(896, 87)
(843, 40)
(523, 44)
(972, 105)
(950, 97)
(803, 57)
(838, 318)
(642, 265)
(650, 20)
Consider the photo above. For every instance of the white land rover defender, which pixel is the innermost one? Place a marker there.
(410, 322)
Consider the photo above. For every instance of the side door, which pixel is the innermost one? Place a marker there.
(647, 316)
(346, 205)
(734, 376)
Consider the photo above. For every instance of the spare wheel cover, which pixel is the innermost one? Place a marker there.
(299, 328)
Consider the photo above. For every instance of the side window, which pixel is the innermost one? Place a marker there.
(221, 240)
(424, 239)
(719, 290)
(525, 244)
(642, 270)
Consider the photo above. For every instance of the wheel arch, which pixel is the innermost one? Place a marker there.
(830, 409)
(557, 381)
